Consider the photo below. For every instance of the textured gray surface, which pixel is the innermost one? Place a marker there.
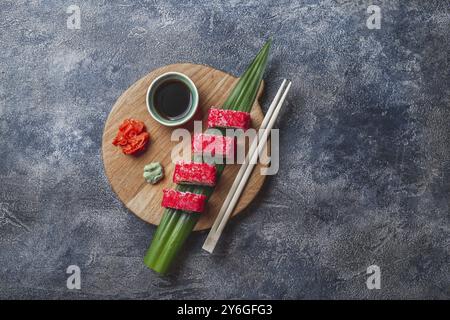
(365, 145)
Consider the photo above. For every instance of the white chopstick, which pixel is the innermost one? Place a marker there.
(246, 168)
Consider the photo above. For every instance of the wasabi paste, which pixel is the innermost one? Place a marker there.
(153, 172)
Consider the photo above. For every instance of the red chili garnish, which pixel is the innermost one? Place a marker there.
(131, 136)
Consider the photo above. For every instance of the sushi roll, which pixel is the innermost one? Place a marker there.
(186, 201)
(209, 144)
(222, 118)
(203, 174)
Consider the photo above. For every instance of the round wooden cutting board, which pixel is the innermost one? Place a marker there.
(125, 172)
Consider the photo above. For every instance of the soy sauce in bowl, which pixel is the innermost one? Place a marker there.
(172, 99)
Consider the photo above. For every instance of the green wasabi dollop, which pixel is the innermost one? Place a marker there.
(153, 172)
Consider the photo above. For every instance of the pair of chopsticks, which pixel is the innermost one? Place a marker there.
(246, 168)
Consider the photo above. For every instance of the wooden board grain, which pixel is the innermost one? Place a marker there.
(125, 172)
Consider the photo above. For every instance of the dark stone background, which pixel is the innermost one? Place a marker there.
(365, 144)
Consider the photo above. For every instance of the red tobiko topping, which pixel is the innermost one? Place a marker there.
(223, 118)
(212, 145)
(195, 173)
(186, 201)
